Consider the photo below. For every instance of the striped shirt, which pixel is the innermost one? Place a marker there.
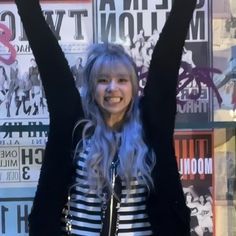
(86, 208)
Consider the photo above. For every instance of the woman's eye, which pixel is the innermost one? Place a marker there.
(102, 80)
(123, 80)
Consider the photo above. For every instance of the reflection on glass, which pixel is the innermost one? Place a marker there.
(225, 182)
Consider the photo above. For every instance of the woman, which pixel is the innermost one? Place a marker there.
(205, 214)
(193, 206)
(36, 91)
(112, 171)
(4, 86)
(13, 87)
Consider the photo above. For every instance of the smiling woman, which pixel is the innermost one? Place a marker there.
(111, 83)
(120, 172)
(113, 94)
(110, 103)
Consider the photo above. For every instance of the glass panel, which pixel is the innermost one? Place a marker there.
(225, 182)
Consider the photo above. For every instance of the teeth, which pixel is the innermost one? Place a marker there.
(111, 99)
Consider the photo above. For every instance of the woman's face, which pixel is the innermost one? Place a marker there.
(201, 199)
(188, 198)
(113, 91)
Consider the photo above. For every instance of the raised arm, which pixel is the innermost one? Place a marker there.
(159, 101)
(64, 110)
(168, 212)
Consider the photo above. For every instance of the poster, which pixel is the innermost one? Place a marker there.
(137, 25)
(22, 96)
(194, 153)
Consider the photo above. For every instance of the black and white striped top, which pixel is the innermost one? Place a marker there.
(85, 208)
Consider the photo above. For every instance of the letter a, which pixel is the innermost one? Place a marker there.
(104, 2)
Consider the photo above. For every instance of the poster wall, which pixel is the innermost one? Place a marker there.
(77, 24)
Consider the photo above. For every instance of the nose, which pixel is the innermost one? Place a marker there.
(112, 86)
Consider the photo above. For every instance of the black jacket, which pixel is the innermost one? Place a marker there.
(168, 212)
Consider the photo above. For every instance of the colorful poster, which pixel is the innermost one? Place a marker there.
(137, 25)
(195, 160)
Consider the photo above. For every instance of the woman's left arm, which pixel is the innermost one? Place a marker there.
(166, 206)
(158, 104)
(159, 100)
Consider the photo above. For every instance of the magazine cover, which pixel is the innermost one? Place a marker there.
(195, 160)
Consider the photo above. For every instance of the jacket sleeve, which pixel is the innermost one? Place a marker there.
(158, 104)
(166, 206)
(64, 105)
(159, 100)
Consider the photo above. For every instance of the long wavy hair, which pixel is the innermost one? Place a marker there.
(135, 158)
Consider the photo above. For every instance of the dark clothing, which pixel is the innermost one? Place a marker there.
(168, 213)
(34, 76)
(77, 73)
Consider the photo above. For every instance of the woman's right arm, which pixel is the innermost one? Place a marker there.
(64, 105)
